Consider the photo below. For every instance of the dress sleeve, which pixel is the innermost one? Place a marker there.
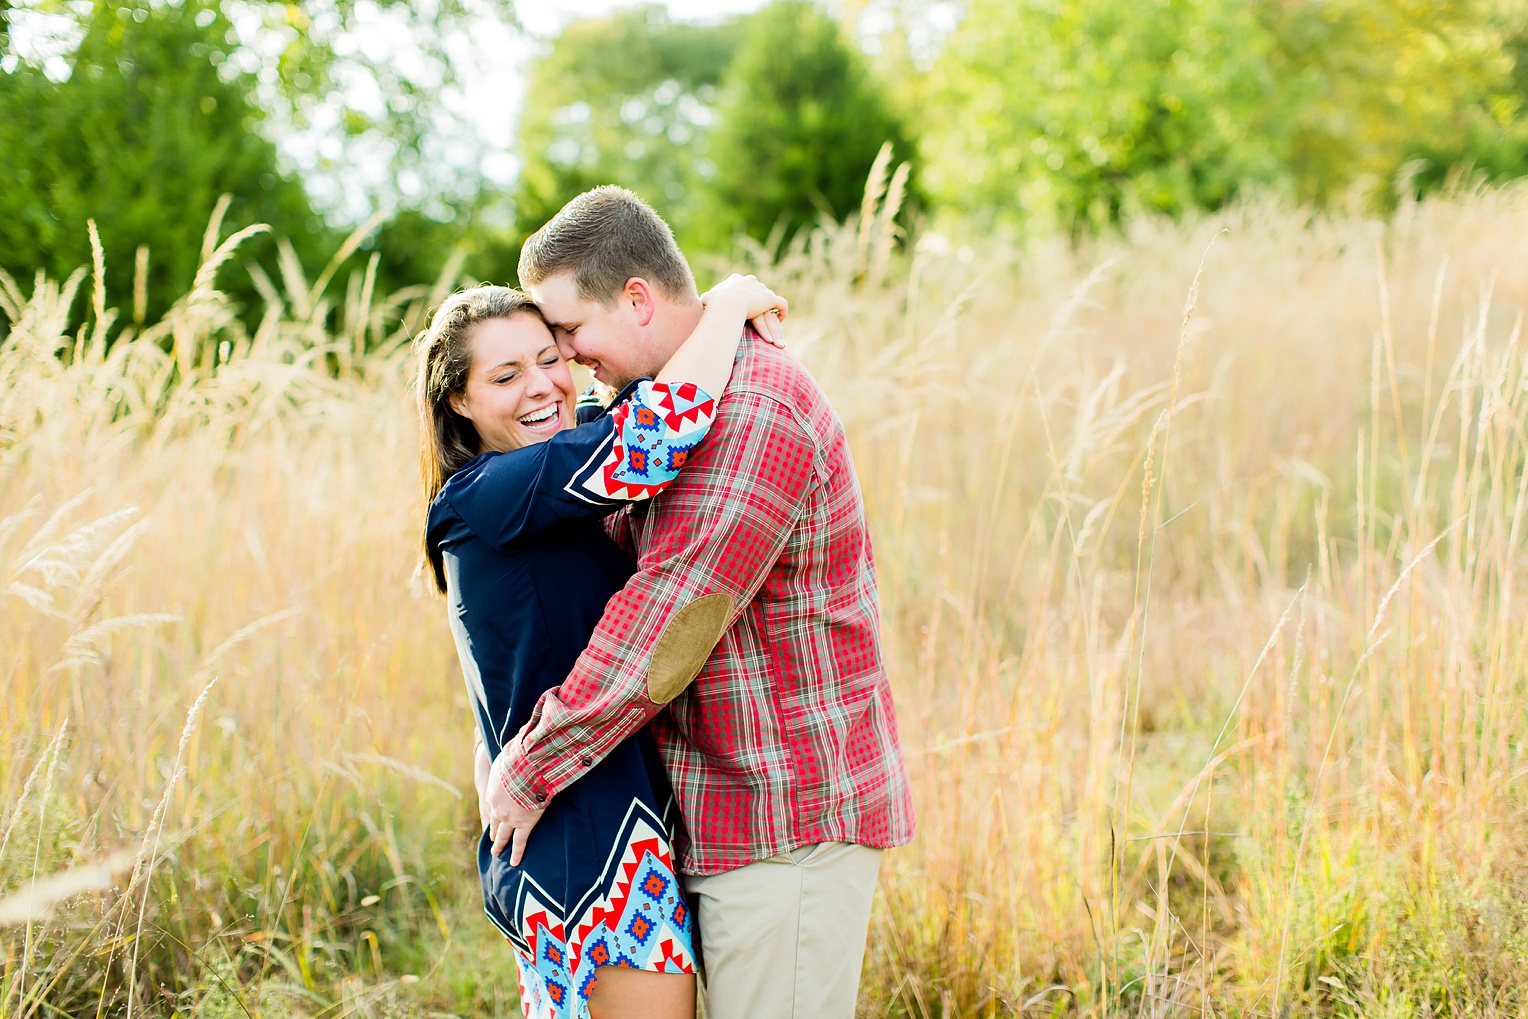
(631, 453)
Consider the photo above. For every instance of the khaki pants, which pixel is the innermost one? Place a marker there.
(784, 938)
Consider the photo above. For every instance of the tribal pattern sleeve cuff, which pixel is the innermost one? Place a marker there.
(655, 430)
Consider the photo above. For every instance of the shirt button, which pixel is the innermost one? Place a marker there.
(586, 761)
(541, 797)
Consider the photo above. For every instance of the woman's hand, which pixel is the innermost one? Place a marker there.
(764, 308)
(706, 357)
(509, 823)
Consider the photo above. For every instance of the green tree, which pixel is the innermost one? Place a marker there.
(380, 70)
(1372, 85)
(801, 121)
(166, 107)
(627, 100)
(1490, 137)
(144, 136)
(1074, 113)
(1071, 113)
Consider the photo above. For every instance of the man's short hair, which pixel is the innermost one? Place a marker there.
(603, 238)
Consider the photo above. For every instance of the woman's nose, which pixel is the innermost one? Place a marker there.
(538, 382)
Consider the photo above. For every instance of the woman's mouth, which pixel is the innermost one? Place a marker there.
(547, 419)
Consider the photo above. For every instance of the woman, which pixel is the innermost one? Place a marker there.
(515, 492)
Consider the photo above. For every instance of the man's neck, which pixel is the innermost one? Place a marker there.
(676, 322)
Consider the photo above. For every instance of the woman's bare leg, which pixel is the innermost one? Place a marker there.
(622, 993)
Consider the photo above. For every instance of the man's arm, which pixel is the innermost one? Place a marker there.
(707, 548)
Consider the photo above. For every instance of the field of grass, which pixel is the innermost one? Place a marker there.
(1199, 552)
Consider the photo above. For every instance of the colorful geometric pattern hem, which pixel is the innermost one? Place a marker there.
(636, 918)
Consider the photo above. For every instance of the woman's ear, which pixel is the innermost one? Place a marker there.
(458, 402)
(639, 295)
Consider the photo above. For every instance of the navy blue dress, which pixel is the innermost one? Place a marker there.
(528, 571)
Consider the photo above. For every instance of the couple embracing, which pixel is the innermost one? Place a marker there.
(665, 610)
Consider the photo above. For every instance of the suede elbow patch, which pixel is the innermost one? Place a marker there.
(686, 642)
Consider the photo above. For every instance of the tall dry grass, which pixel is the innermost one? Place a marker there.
(1199, 553)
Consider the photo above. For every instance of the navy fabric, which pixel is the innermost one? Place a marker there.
(529, 569)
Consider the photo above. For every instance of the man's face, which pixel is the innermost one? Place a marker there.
(607, 339)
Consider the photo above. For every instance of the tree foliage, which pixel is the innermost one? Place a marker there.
(1074, 113)
(1367, 86)
(167, 106)
(801, 121)
(723, 128)
(627, 99)
(1065, 115)
(144, 136)
(379, 72)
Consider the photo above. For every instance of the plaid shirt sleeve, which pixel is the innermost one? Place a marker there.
(718, 529)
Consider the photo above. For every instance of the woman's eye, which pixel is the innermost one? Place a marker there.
(507, 378)
(550, 362)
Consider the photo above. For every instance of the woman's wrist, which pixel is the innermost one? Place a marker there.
(729, 305)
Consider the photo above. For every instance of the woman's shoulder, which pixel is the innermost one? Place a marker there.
(462, 479)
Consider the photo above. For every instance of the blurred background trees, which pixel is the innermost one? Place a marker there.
(156, 109)
(144, 136)
(1075, 114)
(801, 120)
(1028, 117)
(629, 99)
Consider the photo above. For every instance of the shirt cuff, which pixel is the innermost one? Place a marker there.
(524, 784)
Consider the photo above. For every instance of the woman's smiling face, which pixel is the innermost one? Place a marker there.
(519, 390)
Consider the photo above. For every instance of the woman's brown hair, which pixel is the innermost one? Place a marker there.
(442, 362)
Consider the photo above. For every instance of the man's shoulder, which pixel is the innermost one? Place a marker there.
(767, 374)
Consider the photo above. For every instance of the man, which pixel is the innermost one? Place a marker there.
(755, 581)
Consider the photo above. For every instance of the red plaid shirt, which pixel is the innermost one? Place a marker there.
(788, 735)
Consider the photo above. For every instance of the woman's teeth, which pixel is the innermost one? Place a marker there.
(540, 416)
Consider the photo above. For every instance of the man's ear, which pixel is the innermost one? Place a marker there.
(638, 294)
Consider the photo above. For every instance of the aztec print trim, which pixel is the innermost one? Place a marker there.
(655, 429)
(636, 916)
